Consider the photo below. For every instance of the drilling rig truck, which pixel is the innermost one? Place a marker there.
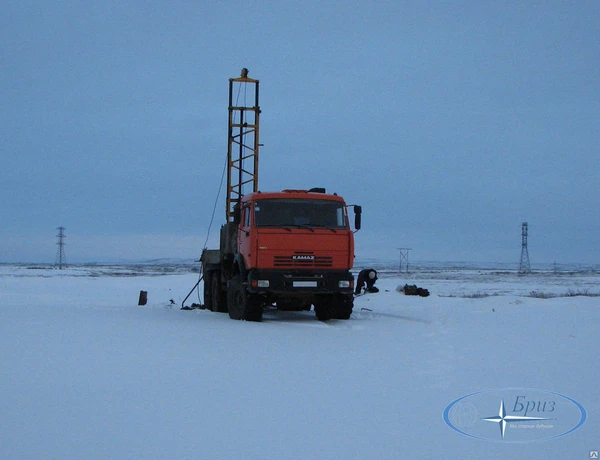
(290, 249)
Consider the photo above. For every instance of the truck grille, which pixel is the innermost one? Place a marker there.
(302, 260)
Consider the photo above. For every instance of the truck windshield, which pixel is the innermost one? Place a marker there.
(299, 213)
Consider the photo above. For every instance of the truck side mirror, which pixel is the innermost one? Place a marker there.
(357, 216)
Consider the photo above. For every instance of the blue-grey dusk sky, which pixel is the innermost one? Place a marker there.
(450, 122)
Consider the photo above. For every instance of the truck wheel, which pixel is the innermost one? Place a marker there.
(345, 303)
(326, 308)
(254, 309)
(208, 298)
(219, 298)
(242, 305)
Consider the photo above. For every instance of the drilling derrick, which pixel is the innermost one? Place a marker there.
(242, 151)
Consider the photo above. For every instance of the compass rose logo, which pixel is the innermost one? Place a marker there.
(524, 415)
(502, 419)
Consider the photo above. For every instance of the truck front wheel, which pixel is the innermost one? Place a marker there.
(336, 306)
(345, 305)
(325, 307)
(240, 303)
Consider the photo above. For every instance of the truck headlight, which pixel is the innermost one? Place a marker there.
(344, 284)
(263, 283)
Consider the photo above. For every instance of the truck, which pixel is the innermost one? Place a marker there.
(288, 250)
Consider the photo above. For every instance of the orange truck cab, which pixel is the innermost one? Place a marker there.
(289, 250)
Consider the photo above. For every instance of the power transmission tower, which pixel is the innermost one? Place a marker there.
(403, 259)
(61, 259)
(524, 264)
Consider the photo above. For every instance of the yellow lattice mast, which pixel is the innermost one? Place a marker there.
(242, 151)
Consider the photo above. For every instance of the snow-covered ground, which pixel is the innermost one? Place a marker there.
(89, 374)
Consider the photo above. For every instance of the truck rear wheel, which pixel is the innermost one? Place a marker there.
(219, 298)
(208, 298)
(240, 303)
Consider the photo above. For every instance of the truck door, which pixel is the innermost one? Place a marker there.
(245, 236)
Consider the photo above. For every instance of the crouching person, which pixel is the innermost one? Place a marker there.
(367, 277)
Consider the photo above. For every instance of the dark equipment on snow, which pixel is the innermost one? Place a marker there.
(143, 298)
(367, 277)
(414, 290)
(183, 307)
(194, 306)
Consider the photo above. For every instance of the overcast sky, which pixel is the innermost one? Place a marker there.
(450, 122)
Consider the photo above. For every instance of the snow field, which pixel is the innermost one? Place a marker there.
(89, 374)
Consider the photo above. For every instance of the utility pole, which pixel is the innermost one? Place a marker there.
(403, 259)
(61, 259)
(524, 266)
